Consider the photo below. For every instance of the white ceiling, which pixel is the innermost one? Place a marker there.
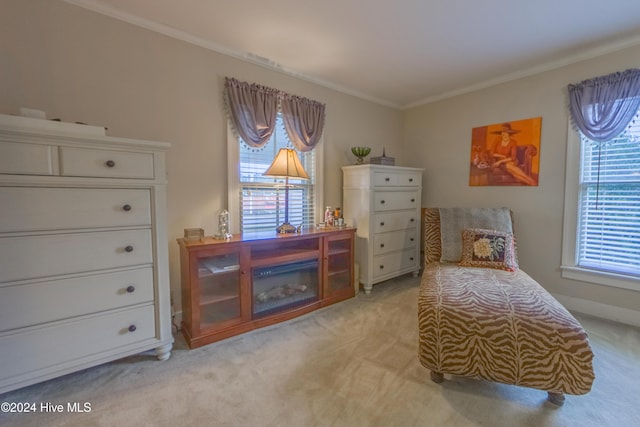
(399, 53)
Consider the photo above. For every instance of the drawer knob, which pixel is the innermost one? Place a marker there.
(381, 267)
(126, 208)
(411, 259)
(413, 200)
(382, 245)
(131, 289)
(412, 220)
(411, 239)
(387, 179)
(382, 201)
(382, 224)
(129, 248)
(110, 163)
(132, 328)
(410, 179)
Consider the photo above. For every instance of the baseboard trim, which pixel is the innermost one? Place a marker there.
(597, 309)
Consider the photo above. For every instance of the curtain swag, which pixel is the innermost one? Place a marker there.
(253, 108)
(303, 121)
(603, 107)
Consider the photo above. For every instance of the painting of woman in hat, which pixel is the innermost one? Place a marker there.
(501, 160)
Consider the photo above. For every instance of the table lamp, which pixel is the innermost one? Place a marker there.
(286, 165)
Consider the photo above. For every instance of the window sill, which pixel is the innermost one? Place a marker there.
(601, 277)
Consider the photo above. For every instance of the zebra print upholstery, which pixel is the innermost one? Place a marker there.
(498, 326)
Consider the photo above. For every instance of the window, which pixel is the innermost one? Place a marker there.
(602, 242)
(257, 202)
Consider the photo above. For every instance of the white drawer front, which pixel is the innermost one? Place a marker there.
(35, 303)
(39, 348)
(397, 179)
(395, 241)
(31, 257)
(395, 221)
(395, 200)
(26, 159)
(390, 263)
(105, 163)
(32, 209)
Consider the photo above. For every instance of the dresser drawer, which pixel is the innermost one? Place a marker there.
(397, 179)
(26, 159)
(35, 303)
(393, 262)
(67, 341)
(395, 221)
(30, 257)
(105, 163)
(395, 200)
(395, 241)
(32, 209)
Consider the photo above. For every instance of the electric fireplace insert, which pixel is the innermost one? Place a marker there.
(283, 287)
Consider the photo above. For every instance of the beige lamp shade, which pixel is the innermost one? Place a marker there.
(287, 165)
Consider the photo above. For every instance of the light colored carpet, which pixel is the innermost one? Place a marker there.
(351, 364)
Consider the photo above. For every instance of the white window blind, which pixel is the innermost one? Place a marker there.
(262, 198)
(608, 235)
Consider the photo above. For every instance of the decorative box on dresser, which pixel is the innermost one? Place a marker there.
(383, 203)
(83, 249)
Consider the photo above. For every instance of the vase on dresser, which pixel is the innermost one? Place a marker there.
(83, 249)
(383, 203)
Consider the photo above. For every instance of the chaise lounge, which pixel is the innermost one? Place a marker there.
(480, 316)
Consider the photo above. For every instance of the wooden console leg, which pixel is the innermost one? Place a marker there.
(437, 377)
(556, 398)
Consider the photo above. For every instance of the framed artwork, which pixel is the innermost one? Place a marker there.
(506, 153)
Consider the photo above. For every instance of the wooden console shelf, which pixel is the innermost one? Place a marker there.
(255, 280)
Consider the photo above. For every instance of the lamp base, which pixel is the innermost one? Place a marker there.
(285, 228)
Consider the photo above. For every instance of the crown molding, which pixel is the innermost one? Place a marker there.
(98, 7)
(547, 66)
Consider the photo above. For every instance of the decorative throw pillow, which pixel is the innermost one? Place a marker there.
(454, 220)
(488, 248)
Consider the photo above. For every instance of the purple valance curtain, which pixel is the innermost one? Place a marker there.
(602, 107)
(253, 108)
(303, 121)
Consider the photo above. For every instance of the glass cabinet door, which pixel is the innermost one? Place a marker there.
(339, 264)
(219, 284)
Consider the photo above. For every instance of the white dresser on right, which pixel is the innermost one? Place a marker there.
(384, 203)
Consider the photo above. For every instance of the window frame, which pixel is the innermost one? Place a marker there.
(233, 179)
(569, 267)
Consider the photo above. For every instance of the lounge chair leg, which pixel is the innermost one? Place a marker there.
(556, 398)
(437, 377)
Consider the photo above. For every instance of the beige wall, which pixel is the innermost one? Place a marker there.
(81, 66)
(438, 136)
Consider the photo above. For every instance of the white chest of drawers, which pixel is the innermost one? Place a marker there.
(383, 202)
(83, 249)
